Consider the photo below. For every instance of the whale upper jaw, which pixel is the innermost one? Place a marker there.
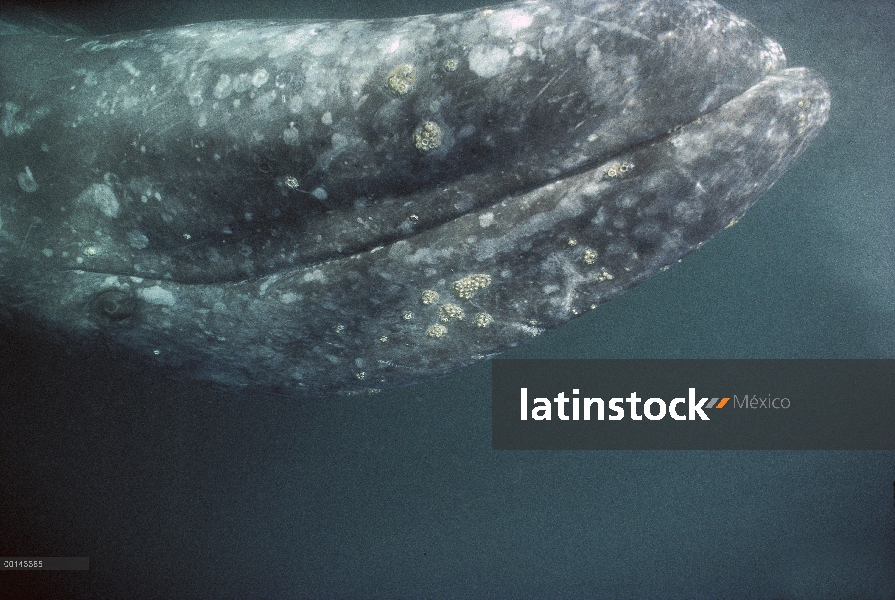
(329, 206)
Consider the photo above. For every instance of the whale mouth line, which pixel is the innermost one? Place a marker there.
(615, 167)
(201, 278)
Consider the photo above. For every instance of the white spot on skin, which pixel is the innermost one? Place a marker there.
(262, 289)
(260, 77)
(552, 36)
(529, 329)
(288, 298)
(327, 118)
(263, 101)
(26, 181)
(315, 275)
(102, 197)
(486, 220)
(9, 124)
(426, 256)
(242, 83)
(488, 61)
(224, 87)
(506, 23)
(193, 89)
(595, 61)
(137, 240)
(157, 295)
(130, 68)
(339, 141)
(291, 135)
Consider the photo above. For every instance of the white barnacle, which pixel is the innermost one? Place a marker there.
(482, 320)
(467, 287)
(427, 136)
(450, 312)
(436, 331)
(401, 79)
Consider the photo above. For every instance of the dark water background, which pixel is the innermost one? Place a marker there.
(178, 491)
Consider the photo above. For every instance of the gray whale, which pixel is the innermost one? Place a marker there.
(349, 205)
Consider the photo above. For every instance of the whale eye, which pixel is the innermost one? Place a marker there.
(116, 305)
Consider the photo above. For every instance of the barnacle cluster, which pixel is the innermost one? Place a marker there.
(482, 319)
(467, 287)
(617, 169)
(427, 136)
(401, 79)
(436, 331)
(604, 276)
(450, 312)
(464, 289)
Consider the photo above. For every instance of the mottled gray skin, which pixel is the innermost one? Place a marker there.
(247, 202)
